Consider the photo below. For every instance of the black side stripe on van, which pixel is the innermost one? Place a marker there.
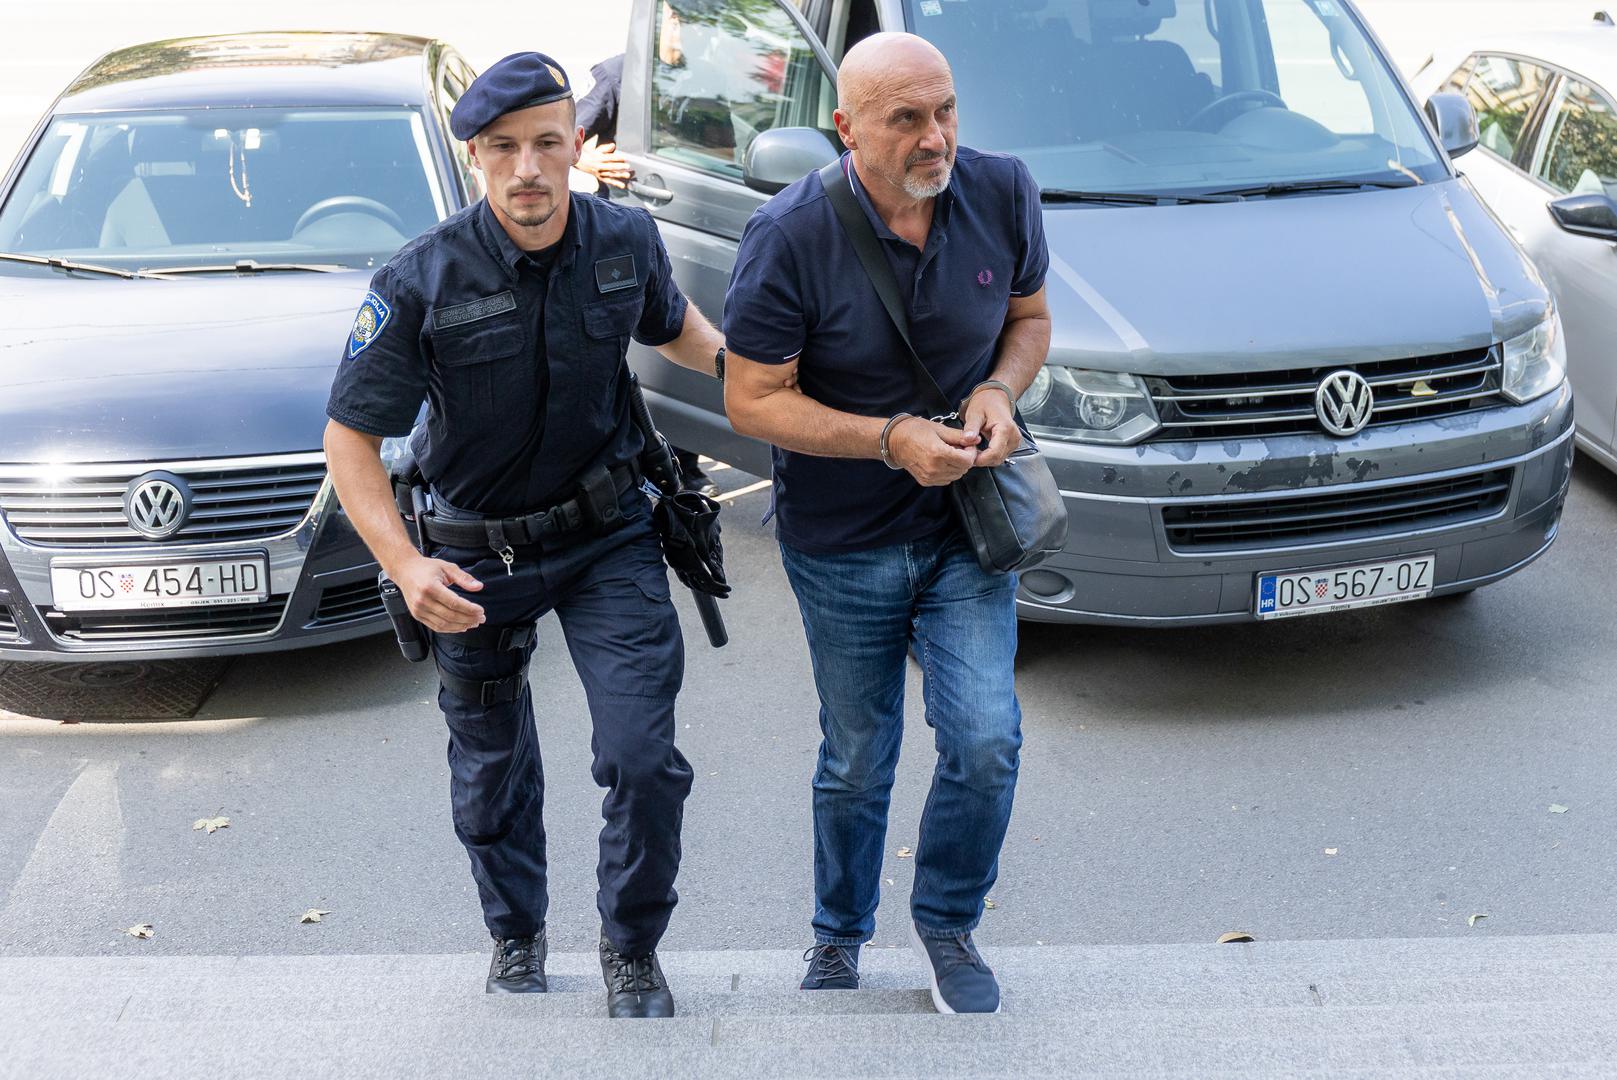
(460, 314)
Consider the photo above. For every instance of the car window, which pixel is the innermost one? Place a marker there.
(725, 70)
(452, 84)
(1504, 91)
(1171, 96)
(1457, 81)
(1580, 155)
(213, 186)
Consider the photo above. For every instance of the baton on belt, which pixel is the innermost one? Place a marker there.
(694, 552)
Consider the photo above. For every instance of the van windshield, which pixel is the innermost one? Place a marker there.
(1168, 97)
(207, 187)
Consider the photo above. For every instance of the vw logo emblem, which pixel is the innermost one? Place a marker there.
(157, 504)
(1344, 403)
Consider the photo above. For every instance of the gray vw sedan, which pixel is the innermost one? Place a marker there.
(1297, 365)
(183, 244)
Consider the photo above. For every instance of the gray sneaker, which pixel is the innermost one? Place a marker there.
(961, 982)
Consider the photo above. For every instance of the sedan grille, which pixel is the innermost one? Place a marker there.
(155, 626)
(347, 603)
(1259, 404)
(242, 499)
(1350, 513)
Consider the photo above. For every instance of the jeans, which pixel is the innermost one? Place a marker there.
(862, 612)
(611, 596)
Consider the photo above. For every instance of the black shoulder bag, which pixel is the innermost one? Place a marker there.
(1013, 514)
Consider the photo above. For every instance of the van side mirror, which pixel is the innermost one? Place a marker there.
(1587, 215)
(1455, 121)
(782, 156)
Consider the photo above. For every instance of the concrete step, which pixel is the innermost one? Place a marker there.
(901, 1046)
(1485, 1007)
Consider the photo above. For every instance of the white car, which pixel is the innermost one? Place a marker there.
(1546, 104)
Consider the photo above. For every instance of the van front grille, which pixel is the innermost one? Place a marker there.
(160, 625)
(8, 625)
(1266, 403)
(1331, 515)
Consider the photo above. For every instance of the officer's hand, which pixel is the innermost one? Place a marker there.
(425, 585)
(933, 454)
(989, 411)
(602, 161)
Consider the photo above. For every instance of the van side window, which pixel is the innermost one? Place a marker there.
(724, 71)
(1456, 83)
(1504, 92)
(1580, 157)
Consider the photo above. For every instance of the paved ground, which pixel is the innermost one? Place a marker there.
(1175, 785)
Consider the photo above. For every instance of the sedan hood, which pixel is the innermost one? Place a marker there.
(1290, 282)
(104, 369)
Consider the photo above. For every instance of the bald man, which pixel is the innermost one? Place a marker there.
(878, 561)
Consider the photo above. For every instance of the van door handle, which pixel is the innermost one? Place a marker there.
(657, 195)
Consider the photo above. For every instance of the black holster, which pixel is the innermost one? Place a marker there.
(415, 640)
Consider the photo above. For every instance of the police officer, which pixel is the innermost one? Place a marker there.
(601, 158)
(511, 320)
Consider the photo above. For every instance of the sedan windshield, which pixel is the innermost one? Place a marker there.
(218, 187)
(1175, 97)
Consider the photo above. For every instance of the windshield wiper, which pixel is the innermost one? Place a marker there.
(245, 266)
(1301, 187)
(73, 267)
(1128, 198)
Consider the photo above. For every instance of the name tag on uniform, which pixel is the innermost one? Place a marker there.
(615, 273)
(460, 314)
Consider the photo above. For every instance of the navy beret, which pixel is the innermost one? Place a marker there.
(520, 81)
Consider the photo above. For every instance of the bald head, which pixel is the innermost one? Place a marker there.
(896, 112)
(881, 63)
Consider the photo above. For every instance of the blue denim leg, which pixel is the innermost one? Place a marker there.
(624, 637)
(965, 636)
(857, 609)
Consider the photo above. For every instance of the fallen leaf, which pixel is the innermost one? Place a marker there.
(1557, 808)
(904, 853)
(1472, 921)
(1233, 937)
(889, 881)
(312, 915)
(1330, 851)
(988, 902)
(212, 824)
(141, 930)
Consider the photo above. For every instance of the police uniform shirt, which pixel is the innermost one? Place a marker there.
(522, 369)
(598, 109)
(799, 290)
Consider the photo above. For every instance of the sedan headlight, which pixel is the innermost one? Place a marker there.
(1535, 362)
(1089, 406)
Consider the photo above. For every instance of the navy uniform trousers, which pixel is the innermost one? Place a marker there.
(611, 596)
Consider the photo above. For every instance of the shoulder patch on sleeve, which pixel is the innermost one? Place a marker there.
(368, 323)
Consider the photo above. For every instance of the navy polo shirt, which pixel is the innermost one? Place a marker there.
(799, 291)
(519, 356)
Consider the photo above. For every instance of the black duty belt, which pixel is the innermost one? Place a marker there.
(594, 509)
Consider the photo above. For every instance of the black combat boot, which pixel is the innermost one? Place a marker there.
(634, 984)
(518, 966)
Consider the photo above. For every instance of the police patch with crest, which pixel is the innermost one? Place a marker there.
(368, 324)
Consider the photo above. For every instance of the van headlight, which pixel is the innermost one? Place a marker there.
(1088, 406)
(1535, 362)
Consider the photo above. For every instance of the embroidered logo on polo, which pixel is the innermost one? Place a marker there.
(461, 314)
(985, 277)
(368, 323)
(616, 273)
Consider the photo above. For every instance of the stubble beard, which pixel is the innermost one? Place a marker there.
(928, 187)
(529, 219)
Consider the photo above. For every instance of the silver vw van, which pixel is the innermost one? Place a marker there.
(1297, 366)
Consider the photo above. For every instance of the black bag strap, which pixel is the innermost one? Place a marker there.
(867, 245)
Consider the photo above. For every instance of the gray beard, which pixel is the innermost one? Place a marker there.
(928, 189)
